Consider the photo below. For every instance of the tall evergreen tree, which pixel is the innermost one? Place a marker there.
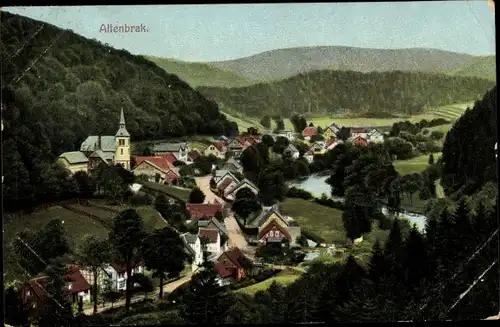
(126, 237)
(205, 302)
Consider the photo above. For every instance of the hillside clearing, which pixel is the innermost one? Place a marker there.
(284, 278)
(200, 74)
(414, 165)
(180, 192)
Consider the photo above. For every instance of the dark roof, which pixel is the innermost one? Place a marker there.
(243, 182)
(208, 233)
(194, 154)
(169, 147)
(203, 210)
(358, 130)
(121, 267)
(225, 183)
(238, 258)
(220, 226)
(264, 215)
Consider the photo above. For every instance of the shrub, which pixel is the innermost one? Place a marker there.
(313, 237)
(294, 192)
(328, 202)
(140, 199)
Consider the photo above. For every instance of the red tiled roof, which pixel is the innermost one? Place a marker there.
(170, 157)
(208, 233)
(330, 142)
(78, 282)
(171, 176)
(220, 146)
(225, 183)
(159, 161)
(310, 131)
(74, 276)
(270, 226)
(309, 153)
(237, 258)
(223, 271)
(360, 140)
(194, 154)
(203, 210)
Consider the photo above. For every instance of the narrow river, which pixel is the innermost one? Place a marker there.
(316, 185)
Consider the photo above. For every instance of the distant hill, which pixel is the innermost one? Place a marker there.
(484, 67)
(330, 92)
(200, 74)
(283, 63)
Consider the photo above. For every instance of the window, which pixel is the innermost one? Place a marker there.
(277, 233)
(271, 234)
(28, 292)
(121, 284)
(121, 142)
(121, 151)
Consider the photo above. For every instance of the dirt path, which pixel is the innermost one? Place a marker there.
(236, 236)
(167, 288)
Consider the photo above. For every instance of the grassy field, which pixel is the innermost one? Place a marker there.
(284, 277)
(414, 165)
(450, 112)
(321, 220)
(200, 74)
(244, 122)
(180, 192)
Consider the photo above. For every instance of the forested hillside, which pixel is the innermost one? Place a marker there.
(53, 97)
(200, 74)
(485, 67)
(468, 151)
(283, 63)
(329, 91)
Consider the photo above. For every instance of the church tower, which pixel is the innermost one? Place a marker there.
(122, 139)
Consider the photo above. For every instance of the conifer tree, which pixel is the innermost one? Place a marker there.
(204, 301)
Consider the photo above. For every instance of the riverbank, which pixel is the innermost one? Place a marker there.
(316, 185)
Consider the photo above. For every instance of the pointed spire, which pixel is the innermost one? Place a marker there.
(122, 118)
(122, 130)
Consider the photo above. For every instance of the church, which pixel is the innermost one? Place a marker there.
(97, 149)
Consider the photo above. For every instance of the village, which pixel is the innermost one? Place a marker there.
(222, 238)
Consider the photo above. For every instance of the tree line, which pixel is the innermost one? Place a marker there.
(468, 154)
(330, 92)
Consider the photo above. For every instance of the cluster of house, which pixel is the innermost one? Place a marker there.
(357, 135)
(79, 283)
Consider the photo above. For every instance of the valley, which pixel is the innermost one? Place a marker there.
(299, 184)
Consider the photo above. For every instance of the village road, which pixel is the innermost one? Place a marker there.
(236, 236)
(167, 288)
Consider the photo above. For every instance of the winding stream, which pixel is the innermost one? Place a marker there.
(316, 185)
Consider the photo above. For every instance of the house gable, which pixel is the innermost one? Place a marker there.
(241, 185)
(274, 232)
(147, 166)
(274, 219)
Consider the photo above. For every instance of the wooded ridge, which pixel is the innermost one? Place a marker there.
(330, 92)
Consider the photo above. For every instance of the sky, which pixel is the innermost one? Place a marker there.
(230, 31)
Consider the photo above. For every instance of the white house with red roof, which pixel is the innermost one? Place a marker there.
(217, 149)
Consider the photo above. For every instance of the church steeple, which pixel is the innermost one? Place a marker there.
(122, 130)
